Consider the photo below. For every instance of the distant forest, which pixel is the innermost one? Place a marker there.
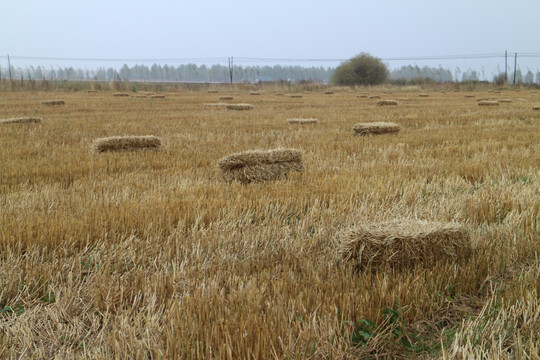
(220, 74)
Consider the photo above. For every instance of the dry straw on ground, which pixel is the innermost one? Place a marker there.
(328, 92)
(374, 97)
(215, 104)
(21, 120)
(295, 96)
(91, 91)
(536, 108)
(403, 243)
(239, 107)
(488, 103)
(375, 128)
(226, 98)
(254, 93)
(386, 102)
(121, 94)
(302, 121)
(53, 102)
(212, 91)
(469, 96)
(506, 100)
(423, 95)
(260, 165)
(157, 97)
(125, 143)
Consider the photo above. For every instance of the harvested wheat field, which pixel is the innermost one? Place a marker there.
(239, 107)
(376, 128)
(301, 121)
(53, 102)
(152, 255)
(387, 102)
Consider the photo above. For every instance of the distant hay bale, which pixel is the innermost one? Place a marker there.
(403, 243)
(375, 128)
(215, 104)
(260, 165)
(212, 91)
(53, 102)
(488, 103)
(423, 95)
(91, 91)
(279, 94)
(254, 93)
(536, 108)
(120, 94)
(302, 121)
(328, 93)
(21, 120)
(361, 96)
(239, 107)
(506, 100)
(140, 96)
(226, 98)
(374, 97)
(157, 97)
(125, 143)
(481, 99)
(469, 96)
(295, 96)
(386, 102)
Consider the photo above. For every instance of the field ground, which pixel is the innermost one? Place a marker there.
(150, 254)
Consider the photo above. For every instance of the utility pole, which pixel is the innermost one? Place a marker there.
(9, 67)
(231, 65)
(515, 63)
(506, 66)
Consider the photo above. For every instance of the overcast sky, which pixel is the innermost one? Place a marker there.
(291, 29)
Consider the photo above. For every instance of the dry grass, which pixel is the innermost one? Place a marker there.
(387, 102)
(125, 143)
(488, 103)
(157, 97)
(239, 107)
(505, 100)
(220, 104)
(21, 120)
(260, 165)
(254, 93)
(53, 102)
(295, 96)
(404, 243)
(536, 108)
(302, 121)
(150, 254)
(225, 98)
(376, 128)
(328, 93)
(423, 95)
(120, 94)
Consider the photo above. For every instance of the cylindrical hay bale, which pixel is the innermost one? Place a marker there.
(120, 94)
(469, 96)
(157, 97)
(225, 98)
(423, 95)
(386, 102)
(260, 165)
(21, 120)
(488, 103)
(239, 107)
(375, 128)
(403, 243)
(53, 102)
(329, 93)
(302, 121)
(536, 108)
(125, 143)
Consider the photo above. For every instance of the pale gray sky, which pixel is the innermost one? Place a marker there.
(292, 29)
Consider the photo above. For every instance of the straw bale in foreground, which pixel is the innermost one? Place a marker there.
(260, 165)
(53, 102)
(21, 120)
(386, 102)
(125, 143)
(302, 121)
(375, 128)
(239, 107)
(488, 103)
(403, 243)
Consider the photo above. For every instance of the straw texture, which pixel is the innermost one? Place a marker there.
(125, 143)
(375, 128)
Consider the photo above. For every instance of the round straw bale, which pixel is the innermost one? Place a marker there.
(260, 165)
(226, 98)
(21, 120)
(212, 91)
(469, 96)
(239, 107)
(53, 102)
(157, 97)
(403, 243)
(302, 121)
(125, 143)
(120, 94)
(488, 103)
(386, 102)
(423, 95)
(329, 93)
(375, 128)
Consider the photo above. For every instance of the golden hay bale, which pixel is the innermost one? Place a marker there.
(125, 143)
(226, 98)
(423, 95)
(403, 243)
(375, 128)
(302, 121)
(53, 102)
(488, 103)
(120, 94)
(21, 120)
(157, 97)
(506, 100)
(239, 107)
(386, 102)
(254, 93)
(260, 165)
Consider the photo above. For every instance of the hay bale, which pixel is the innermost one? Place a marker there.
(386, 102)
(469, 96)
(91, 91)
(260, 165)
(157, 97)
(403, 243)
(254, 93)
(120, 94)
(361, 96)
(423, 95)
(212, 91)
(488, 103)
(140, 96)
(226, 98)
(506, 100)
(22, 120)
(125, 143)
(374, 97)
(295, 96)
(536, 108)
(328, 93)
(53, 102)
(239, 107)
(375, 128)
(302, 121)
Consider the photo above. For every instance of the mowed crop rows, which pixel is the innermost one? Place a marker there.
(150, 253)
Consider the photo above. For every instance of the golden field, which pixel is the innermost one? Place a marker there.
(150, 254)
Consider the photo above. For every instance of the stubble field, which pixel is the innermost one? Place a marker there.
(151, 254)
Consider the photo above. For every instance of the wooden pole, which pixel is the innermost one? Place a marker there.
(506, 66)
(515, 65)
(9, 68)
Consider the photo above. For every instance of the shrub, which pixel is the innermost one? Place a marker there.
(363, 69)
